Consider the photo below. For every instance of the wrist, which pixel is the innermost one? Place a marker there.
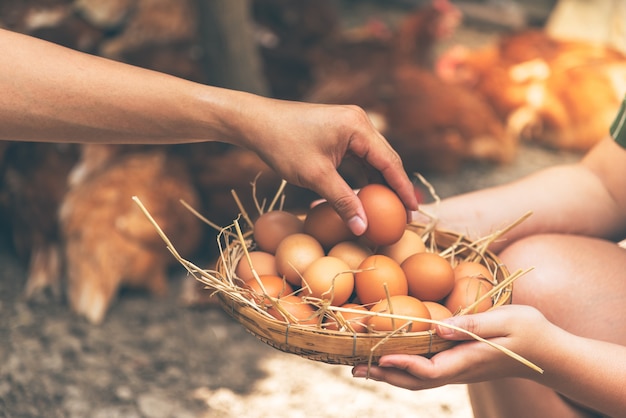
(231, 116)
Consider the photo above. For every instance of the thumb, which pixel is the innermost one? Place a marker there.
(486, 325)
(345, 201)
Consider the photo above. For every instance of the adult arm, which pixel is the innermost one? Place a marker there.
(52, 93)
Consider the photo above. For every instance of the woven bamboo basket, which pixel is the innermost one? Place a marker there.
(343, 347)
(340, 347)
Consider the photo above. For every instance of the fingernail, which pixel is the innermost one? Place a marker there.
(359, 373)
(357, 225)
(444, 331)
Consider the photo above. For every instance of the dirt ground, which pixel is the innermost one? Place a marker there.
(158, 359)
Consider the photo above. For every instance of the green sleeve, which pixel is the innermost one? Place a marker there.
(618, 127)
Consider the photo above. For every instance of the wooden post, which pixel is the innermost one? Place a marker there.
(231, 56)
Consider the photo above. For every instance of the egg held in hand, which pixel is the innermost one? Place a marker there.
(386, 215)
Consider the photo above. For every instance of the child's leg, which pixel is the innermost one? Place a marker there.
(580, 285)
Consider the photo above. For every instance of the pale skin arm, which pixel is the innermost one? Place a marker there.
(588, 198)
(590, 371)
(51, 93)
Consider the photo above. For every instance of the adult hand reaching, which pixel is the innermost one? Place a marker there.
(77, 97)
(307, 142)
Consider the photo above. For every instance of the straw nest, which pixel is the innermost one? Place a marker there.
(340, 347)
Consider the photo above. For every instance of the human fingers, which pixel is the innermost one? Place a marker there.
(366, 143)
(374, 149)
(468, 362)
(499, 322)
(393, 376)
(334, 189)
(417, 372)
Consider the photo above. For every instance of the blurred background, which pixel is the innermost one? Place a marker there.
(470, 93)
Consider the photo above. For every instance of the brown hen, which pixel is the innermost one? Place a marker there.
(109, 242)
(288, 33)
(434, 126)
(560, 93)
(33, 185)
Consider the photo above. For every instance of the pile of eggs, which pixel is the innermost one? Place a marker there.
(389, 270)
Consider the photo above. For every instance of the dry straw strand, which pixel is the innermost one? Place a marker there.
(242, 210)
(200, 216)
(259, 208)
(279, 195)
(437, 200)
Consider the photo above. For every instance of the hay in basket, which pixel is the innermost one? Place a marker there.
(341, 347)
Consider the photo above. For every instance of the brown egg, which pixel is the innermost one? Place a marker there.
(264, 264)
(324, 224)
(472, 268)
(351, 252)
(376, 272)
(400, 305)
(356, 320)
(273, 226)
(429, 275)
(438, 312)
(274, 286)
(328, 278)
(301, 312)
(466, 291)
(410, 243)
(294, 254)
(386, 215)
